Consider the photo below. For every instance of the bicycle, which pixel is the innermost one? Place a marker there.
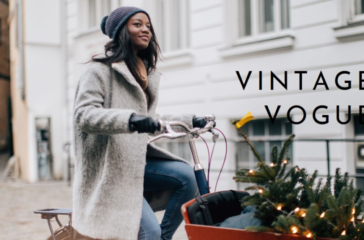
(66, 232)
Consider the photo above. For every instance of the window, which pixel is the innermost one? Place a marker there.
(172, 24)
(179, 148)
(95, 10)
(351, 19)
(106, 7)
(359, 148)
(358, 128)
(356, 10)
(358, 7)
(261, 16)
(92, 13)
(263, 135)
(256, 25)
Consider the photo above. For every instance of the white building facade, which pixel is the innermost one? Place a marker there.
(205, 42)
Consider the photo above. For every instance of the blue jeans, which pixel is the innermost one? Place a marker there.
(163, 175)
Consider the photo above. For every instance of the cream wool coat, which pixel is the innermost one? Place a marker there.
(110, 159)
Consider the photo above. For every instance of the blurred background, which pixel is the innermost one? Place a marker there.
(44, 46)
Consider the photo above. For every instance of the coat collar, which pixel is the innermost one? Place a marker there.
(153, 80)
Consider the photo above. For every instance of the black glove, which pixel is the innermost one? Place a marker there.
(199, 122)
(143, 124)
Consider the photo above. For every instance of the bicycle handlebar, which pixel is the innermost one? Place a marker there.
(168, 132)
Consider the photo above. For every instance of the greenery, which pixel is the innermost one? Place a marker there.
(290, 201)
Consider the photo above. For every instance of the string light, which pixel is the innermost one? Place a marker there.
(294, 229)
(322, 215)
(353, 212)
(279, 207)
(285, 161)
(343, 233)
(272, 164)
(297, 169)
(303, 214)
(352, 219)
(308, 234)
(296, 209)
(251, 171)
(260, 190)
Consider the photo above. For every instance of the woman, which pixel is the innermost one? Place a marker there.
(116, 94)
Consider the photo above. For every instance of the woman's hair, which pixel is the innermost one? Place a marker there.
(121, 48)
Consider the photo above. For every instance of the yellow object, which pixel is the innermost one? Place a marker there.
(248, 117)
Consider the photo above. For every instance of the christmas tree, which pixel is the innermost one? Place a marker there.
(290, 201)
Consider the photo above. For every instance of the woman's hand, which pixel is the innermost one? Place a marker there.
(200, 122)
(143, 124)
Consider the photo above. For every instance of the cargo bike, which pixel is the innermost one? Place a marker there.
(203, 214)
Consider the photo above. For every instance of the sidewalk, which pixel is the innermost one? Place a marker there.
(19, 200)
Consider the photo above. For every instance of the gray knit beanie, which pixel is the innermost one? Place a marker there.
(110, 25)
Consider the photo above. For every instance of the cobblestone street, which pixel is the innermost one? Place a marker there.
(19, 200)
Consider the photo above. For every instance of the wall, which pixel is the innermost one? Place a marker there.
(208, 83)
(45, 78)
(19, 108)
(4, 75)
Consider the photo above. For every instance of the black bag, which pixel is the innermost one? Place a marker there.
(216, 207)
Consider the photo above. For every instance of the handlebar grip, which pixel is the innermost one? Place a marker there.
(132, 127)
(158, 126)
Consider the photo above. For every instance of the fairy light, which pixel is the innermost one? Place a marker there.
(352, 219)
(343, 233)
(251, 171)
(294, 229)
(297, 169)
(308, 234)
(353, 211)
(260, 190)
(279, 207)
(296, 209)
(303, 214)
(285, 161)
(322, 215)
(272, 164)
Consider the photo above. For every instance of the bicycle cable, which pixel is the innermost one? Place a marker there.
(224, 157)
(210, 159)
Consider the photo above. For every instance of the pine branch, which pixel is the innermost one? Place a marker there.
(338, 183)
(256, 154)
(283, 169)
(284, 150)
(311, 215)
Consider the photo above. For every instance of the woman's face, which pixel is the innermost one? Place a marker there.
(139, 29)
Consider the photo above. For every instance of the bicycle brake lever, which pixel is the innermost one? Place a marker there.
(169, 132)
(215, 135)
(200, 131)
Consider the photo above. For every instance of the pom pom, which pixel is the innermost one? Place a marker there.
(103, 23)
